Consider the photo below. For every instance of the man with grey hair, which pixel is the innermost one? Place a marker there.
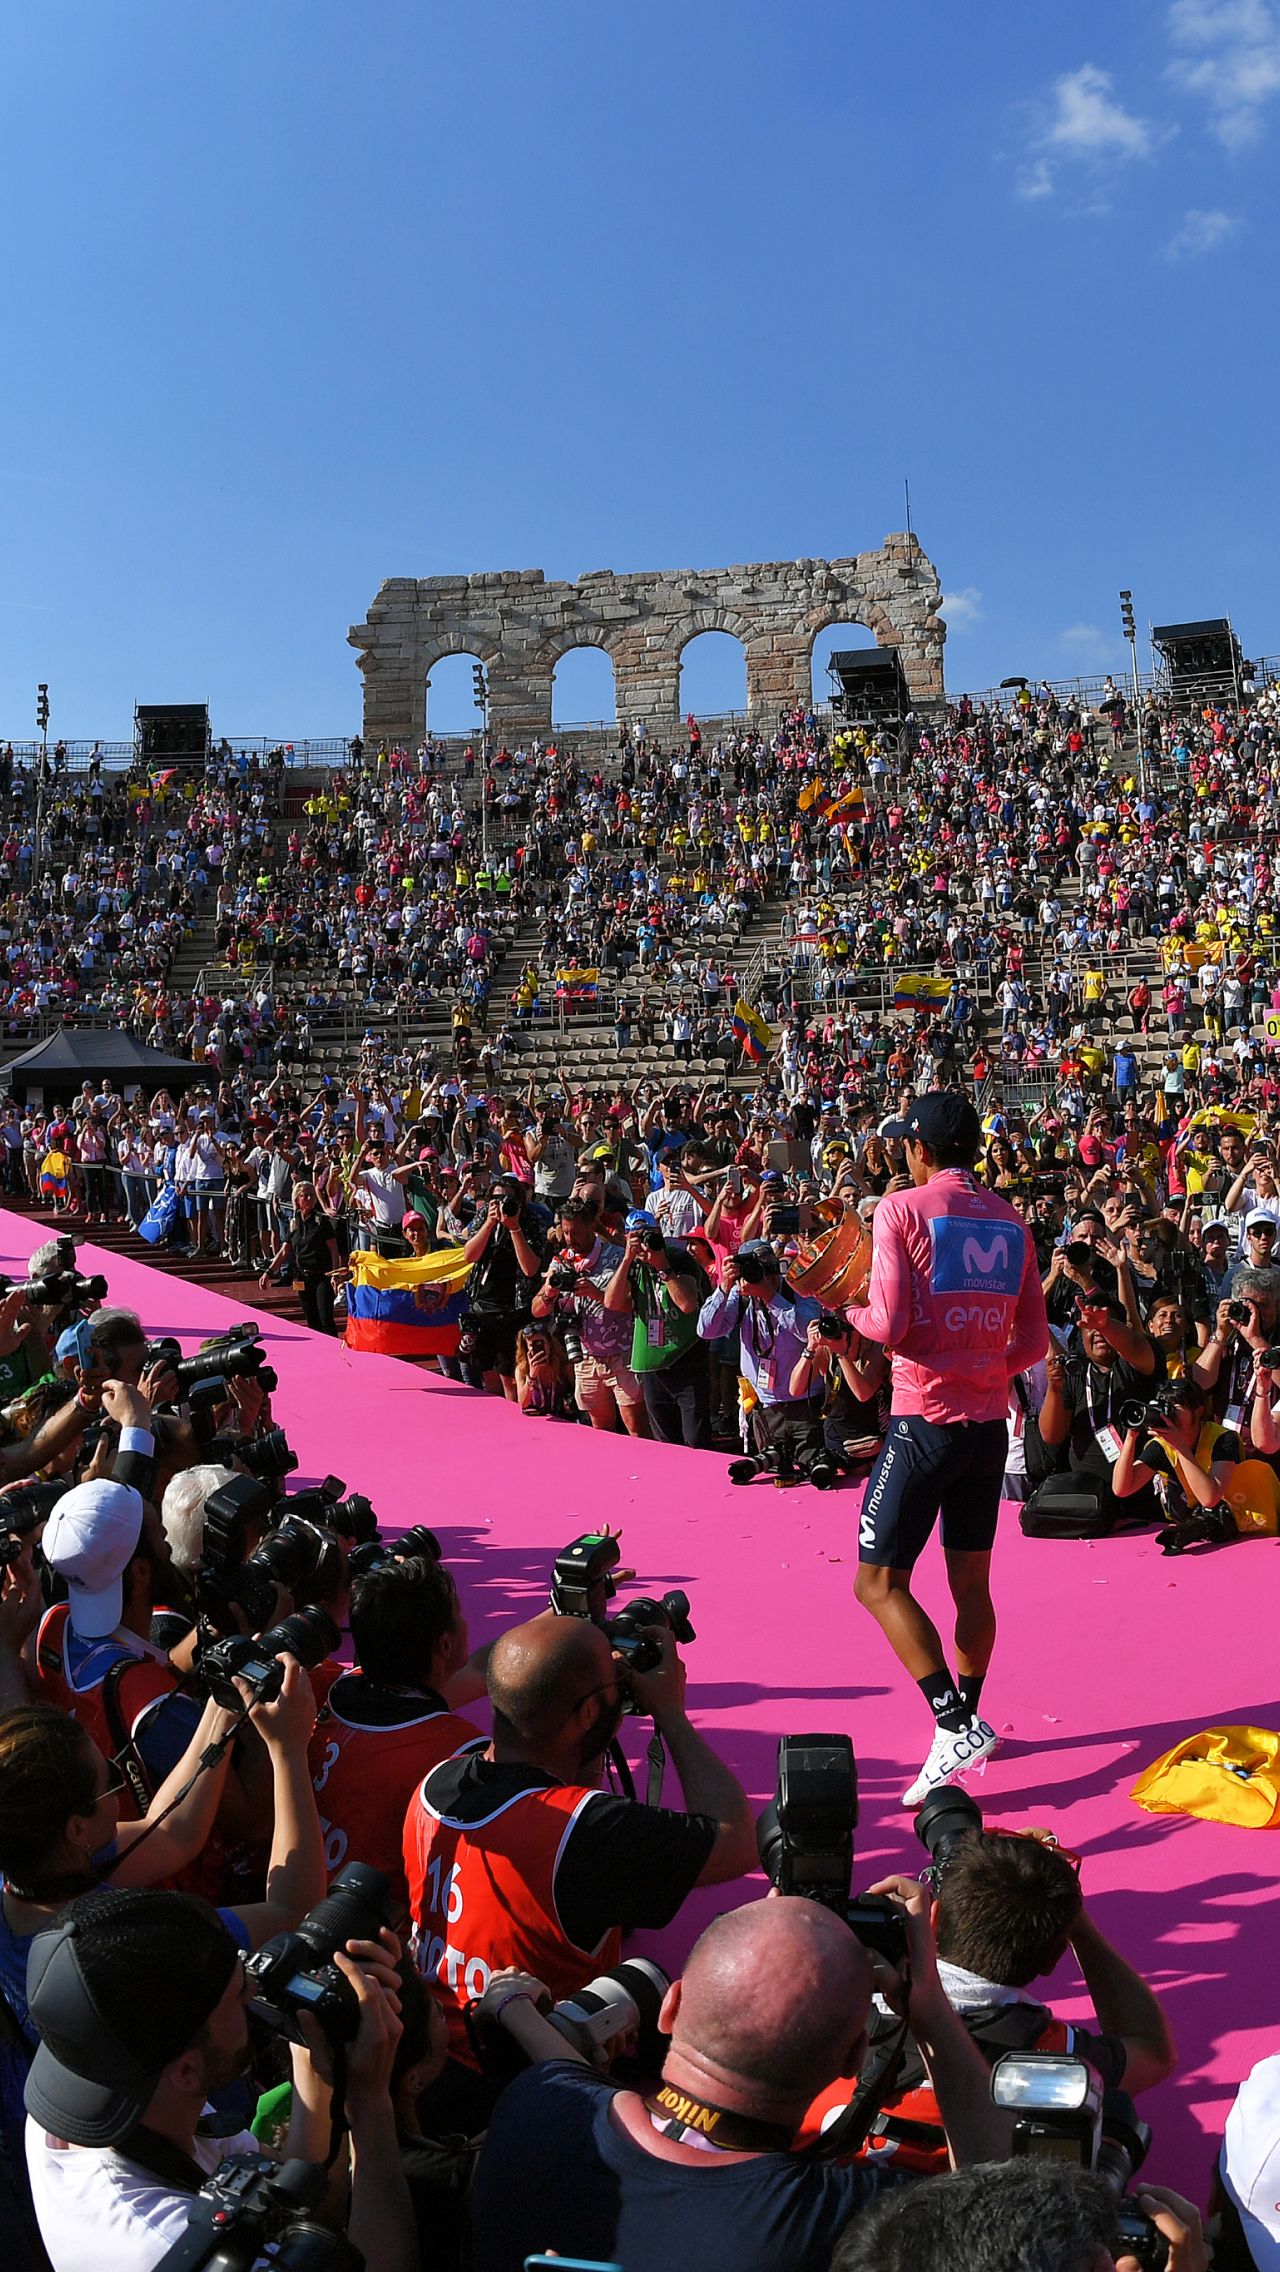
(186, 1496)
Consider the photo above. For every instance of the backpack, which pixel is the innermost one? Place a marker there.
(1066, 1506)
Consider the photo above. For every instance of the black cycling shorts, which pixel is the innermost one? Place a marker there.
(928, 1468)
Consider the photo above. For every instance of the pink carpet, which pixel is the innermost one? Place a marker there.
(1108, 1654)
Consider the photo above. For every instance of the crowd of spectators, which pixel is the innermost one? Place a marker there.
(631, 1249)
(175, 1797)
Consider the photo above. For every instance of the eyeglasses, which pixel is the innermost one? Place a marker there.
(602, 1688)
(116, 1785)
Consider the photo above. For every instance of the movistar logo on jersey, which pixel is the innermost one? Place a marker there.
(976, 1258)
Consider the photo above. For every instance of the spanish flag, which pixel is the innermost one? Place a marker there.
(913, 990)
(754, 1033)
(399, 1307)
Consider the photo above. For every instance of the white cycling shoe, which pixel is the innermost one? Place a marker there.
(951, 1752)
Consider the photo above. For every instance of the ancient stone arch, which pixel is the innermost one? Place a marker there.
(520, 625)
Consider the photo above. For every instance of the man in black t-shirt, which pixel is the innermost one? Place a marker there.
(514, 1856)
(1084, 1400)
(773, 2004)
(507, 1252)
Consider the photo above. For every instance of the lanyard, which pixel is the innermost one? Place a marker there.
(1088, 1397)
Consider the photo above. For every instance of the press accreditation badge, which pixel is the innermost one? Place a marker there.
(1109, 1442)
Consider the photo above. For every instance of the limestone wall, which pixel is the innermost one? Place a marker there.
(520, 625)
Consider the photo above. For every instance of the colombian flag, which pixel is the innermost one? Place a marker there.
(753, 1032)
(399, 1307)
(913, 990)
(577, 985)
(53, 1175)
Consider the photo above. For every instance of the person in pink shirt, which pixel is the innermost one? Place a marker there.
(954, 1295)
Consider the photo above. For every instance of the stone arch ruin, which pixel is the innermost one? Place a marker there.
(520, 625)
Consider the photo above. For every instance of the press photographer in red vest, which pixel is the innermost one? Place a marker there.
(385, 1724)
(1008, 1907)
(515, 1856)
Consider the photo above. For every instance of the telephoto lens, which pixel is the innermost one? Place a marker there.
(621, 2002)
(295, 1972)
(310, 1635)
(945, 1820)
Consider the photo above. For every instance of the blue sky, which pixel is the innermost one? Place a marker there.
(301, 296)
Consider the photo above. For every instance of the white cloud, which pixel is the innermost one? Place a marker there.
(1200, 232)
(1037, 180)
(1229, 55)
(961, 608)
(1082, 635)
(1085, 125)
(1089, 123)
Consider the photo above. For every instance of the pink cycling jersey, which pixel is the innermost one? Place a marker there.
(955, 1296)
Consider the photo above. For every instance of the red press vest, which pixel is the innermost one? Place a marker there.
(142, 1684)
(482, 1895)
(361, 1777)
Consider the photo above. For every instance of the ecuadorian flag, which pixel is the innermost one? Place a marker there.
(398, 1307)
(754, 1033)
(914, 990)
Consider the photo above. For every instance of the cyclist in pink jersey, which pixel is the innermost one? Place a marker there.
(955, 1296)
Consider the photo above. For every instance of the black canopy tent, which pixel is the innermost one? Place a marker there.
(75, 1054)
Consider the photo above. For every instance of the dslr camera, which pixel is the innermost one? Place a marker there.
(624, 2001)
(563, 1277)
(61, 1287)
(805, 1839)
(308, 1634)
(249, 2203)
(582, 1585)
(417, 1544)
(296, 1553)
(779, 1461)
(295, 1972)
(1062, 2110)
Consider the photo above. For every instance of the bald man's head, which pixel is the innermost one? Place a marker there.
(772, 2002)
(540, 1675)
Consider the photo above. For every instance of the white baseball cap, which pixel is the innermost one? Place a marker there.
(1250, 2162)
(89, 1538)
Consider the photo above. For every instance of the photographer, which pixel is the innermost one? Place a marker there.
(1244, 1325)
(1187, 1458)
(148, 1991)
(1024, 2213)
(855, 1374)
(505, 1250)
(1081, 1413)
(774, 2000)
(662, 1288)
(387, 1723)
(514, 1854)
(24, 1351)
(573, 1289)
(1008, 1907)
(772, 1323)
